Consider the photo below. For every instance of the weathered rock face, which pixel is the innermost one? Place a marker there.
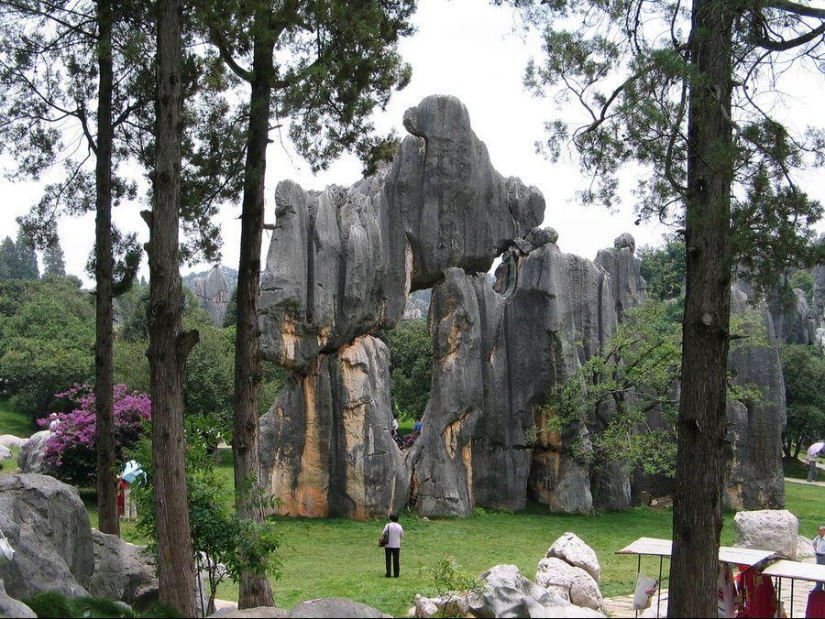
(755, 479)
(123, 571)
(366, 247)
(437, 218)
(457, 211)
(472, 449)
(213, 293)
(793, 320)
(30, 458)
(326, 444)
(768, 529)
(48, 526)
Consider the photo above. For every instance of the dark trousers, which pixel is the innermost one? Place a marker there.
(820, 560)
(393, 555)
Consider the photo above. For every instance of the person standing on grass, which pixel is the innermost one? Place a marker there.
(818, 544)
(813, 453)
(392, 551)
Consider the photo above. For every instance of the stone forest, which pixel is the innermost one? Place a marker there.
(340, 268)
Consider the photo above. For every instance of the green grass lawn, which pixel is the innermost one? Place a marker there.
(14, 423)
(337, 557)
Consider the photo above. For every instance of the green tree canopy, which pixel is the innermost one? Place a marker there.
(663, 268)
(804, 374)
(411, 361)
(46, 342)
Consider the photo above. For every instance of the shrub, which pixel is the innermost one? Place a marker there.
(71, 451)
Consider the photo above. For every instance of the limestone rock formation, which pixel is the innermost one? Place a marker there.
(437, 218)
(123, 571)
(30, 458)
(768, 529)
(366, 248)
(327, 438)
(755, 479)
(213, 292)
(48, 526)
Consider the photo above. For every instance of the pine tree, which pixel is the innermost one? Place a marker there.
(53, 262)
(8, 259)
(26, 258)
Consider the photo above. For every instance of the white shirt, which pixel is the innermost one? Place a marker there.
(396, 533)
(819, 545)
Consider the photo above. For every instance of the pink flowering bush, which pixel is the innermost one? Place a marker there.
(71, 451)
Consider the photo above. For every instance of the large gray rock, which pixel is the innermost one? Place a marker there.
(10, 441)
(30, 458)
(326, 444)
(457, 210)
(472, 449)
(569, 582)
(818, 308)
(508, 594)
(755, 479)
(439, 216)
(213, 292)
(621, 263)
(263, 612)
(793, 320)
(9, 607)
(350, 281)
(123, 571)
(48, 526)
(560, 310)
(768, 529)
(571, 549)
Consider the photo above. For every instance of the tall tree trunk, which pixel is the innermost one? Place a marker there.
(254, 589)
(107, 477)
(168, 344)
(700, 462)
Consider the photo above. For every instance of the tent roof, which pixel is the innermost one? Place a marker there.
(796, 569)
(727, 554)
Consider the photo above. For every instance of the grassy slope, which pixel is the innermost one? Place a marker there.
(14, 423)
(337, 557)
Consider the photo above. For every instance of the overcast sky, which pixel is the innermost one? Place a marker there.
(464, 48)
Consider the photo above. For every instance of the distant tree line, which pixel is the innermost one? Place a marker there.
(18, 259)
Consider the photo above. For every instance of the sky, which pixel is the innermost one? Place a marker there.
(465, 48)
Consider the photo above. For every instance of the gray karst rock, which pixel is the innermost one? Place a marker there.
(213, 292)
(48, 526)
(341, 267)
(123, 571)
(818, 308)
(9, 607)
(793, 320)
(755, 479)
(327, 441)
(457, 211)
(30, 458)
(623, 266)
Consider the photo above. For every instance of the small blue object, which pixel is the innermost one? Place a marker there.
(131, 471)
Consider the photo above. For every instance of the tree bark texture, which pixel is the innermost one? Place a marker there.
(254, 589)
(107, 474)
(168, 345)
(700, 464)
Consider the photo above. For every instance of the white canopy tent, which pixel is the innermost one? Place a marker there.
(653, 546)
